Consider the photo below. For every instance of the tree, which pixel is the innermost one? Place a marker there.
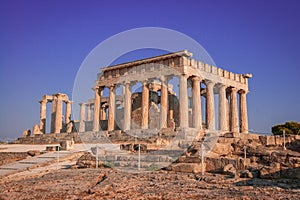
(291, 128)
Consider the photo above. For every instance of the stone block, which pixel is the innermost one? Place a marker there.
(187, 167)
(66, 145)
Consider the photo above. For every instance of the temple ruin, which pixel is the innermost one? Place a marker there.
(184, 111)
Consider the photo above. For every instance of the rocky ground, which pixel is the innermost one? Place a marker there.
(105, 183)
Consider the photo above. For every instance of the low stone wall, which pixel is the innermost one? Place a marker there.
(50, 138)
(265, 155)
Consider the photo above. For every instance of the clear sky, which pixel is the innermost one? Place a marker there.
(43, 43)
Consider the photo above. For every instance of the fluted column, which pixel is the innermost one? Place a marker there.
(81, 117)
(163, 103)
(183, 104)
(223, 106)
(243, 112)
(43, 113)
(127, 107)
(233, 111)
(68, 116)
(58, 114)
(97, 100)
(210, 107)
(197, 116)
(145, 105)
(53, 114)
(111, 107)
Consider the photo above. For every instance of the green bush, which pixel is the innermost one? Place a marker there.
(291, 128)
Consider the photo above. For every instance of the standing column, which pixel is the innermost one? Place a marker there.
(98, 91)
(111, 107)
(81, 118)
(243, 112)
(53, 114)
(210, 105)
(58, 117)
(234, 111)
(43, 115)
(103, 112)
(223, 106)
(197, 117)
(68, 116)
(183, 104)
(163, 103)
(88, 116)
(145, 105)
(127, 107)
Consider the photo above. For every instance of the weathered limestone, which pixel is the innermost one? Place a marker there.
(223, 109)
(111, 113)
(210, 110)
(98, 92)
(197, 117)
(183, 98)
(145, 105)
(68, 116)
(243, 113)
(163, 104)
(127, 109)
(81, 120)
(43, 115)
(234, 111)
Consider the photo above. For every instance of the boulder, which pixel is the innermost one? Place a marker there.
(229, 170)
(246, 174)
(270, 172)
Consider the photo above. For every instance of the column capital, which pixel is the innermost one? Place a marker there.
(233, 89)
(82, 104)
(196, 78)
(242, 91)
(43, 101)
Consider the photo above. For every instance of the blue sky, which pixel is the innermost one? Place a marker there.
(43, 43)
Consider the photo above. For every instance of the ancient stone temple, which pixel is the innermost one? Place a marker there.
(57, 124)
(200, 88)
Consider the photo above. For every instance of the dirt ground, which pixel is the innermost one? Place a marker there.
(105, 183)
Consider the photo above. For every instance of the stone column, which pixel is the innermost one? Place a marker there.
(210, 106)
(233, 111)
(145, 105)
(97, 100)
(111, 107)
(53, 114)
(43, 113)
(223, 106)
(68, 116)
(127, 107)
(243, 112)
(58, 114)
(103, 112)
(163, 103)
(197, 116)
(81, 117)
(183, 102)
(88, 116)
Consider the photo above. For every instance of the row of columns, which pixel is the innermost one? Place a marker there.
(56, 114)
(228, 115)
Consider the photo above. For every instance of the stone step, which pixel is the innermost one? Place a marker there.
(130, 158)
